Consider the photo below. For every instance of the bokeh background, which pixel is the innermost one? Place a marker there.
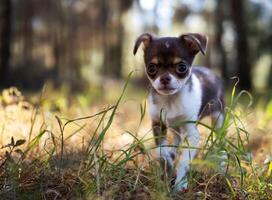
(81, 43)
(69, 59)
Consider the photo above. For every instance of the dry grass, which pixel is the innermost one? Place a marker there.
(109, 154)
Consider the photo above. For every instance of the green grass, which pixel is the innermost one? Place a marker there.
(30, 170)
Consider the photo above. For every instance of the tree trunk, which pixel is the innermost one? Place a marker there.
(219, 31)
(5, 39)
(113, 36)
(243, 64)
(270, 79)
(28, 14)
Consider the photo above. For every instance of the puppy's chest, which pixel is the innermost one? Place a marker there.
(184, 106)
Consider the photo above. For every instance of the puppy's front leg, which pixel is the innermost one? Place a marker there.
(217, 119)
(159, 131)
(192, 140)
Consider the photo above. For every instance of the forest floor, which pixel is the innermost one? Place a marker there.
(93, 146)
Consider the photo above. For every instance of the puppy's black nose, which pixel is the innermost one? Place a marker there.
(165, 80)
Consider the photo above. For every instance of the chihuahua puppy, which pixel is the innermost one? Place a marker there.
(179, 93)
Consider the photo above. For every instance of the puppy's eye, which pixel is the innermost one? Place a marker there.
(181, 68)
(152, 69)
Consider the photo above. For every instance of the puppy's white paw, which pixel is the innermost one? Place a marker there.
(166, 156)
(181, 184)
(223, 160)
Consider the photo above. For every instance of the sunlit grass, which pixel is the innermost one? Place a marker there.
(109, 154)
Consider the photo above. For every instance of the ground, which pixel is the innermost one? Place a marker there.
(100, 147)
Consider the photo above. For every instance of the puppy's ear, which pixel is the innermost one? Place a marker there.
(146, 38)
(195, 42)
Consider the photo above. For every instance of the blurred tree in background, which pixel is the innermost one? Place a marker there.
(5, 39)
(81, 42)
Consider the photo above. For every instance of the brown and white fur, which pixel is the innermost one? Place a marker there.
(179, 93)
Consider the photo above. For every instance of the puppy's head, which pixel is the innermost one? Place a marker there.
(168, 60)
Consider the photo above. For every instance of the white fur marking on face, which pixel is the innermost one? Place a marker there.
(167, 45)
(175, 83)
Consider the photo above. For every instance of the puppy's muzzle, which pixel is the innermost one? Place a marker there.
(165, 80)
